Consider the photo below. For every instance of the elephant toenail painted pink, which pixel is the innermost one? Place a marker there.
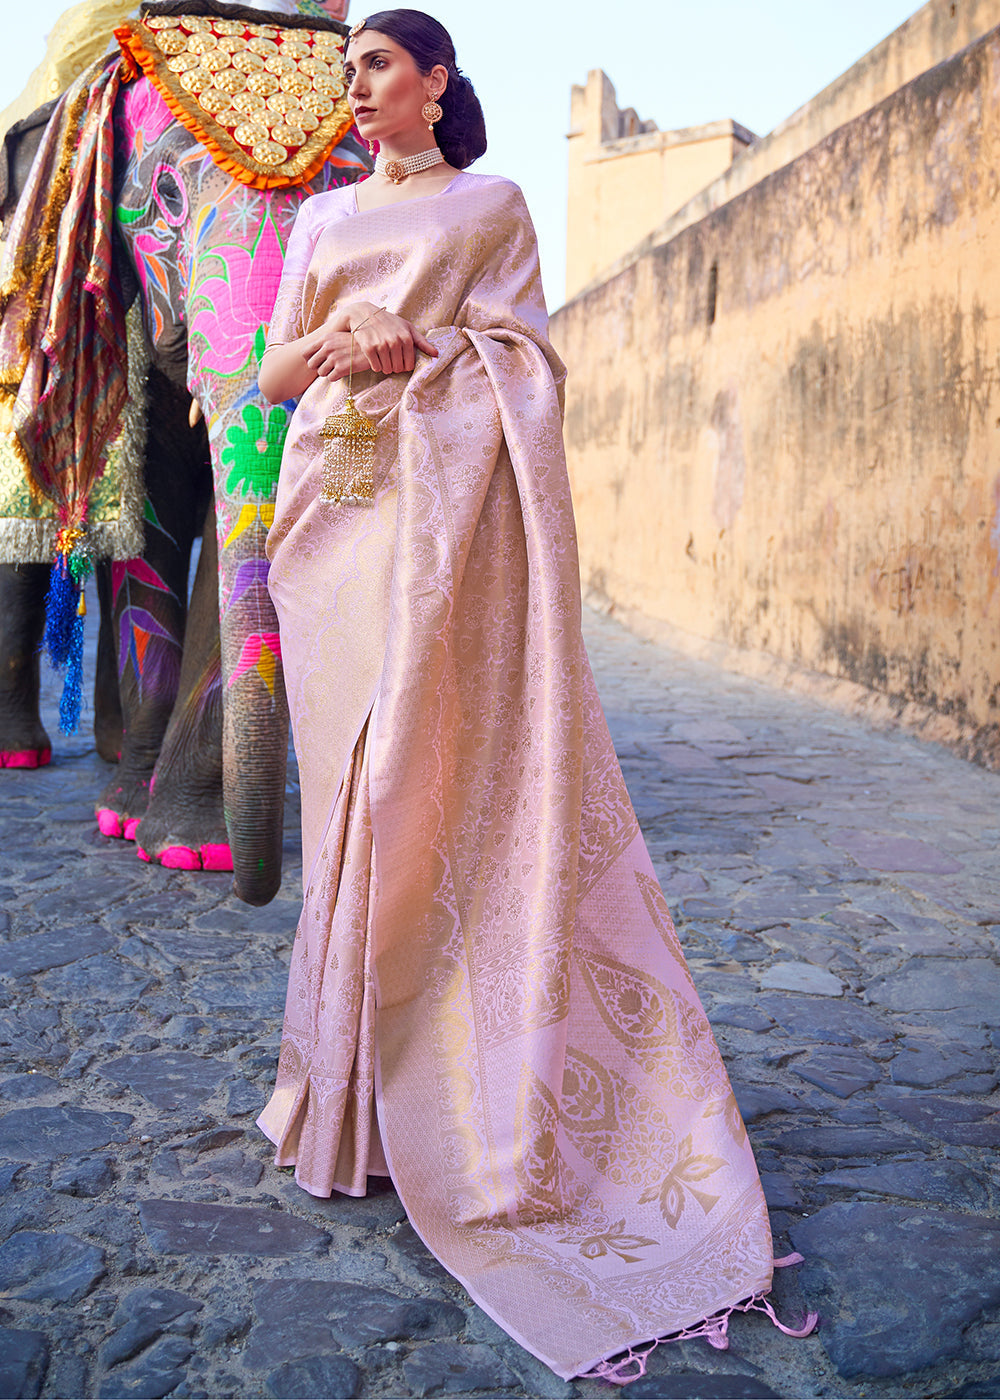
(130, 828)
(25, 758)
(109, 822)
(180, 858)
(216, 856)
(143, 855)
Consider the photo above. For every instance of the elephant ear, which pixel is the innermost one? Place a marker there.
(19, 145)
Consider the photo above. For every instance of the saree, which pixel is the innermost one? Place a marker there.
(485, 981)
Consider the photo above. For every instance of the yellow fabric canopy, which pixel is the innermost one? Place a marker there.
(78, 38)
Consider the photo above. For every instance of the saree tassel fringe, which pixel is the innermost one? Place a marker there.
(65, 610)
(631, 1365)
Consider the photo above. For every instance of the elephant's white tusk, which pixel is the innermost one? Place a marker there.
(194, 413)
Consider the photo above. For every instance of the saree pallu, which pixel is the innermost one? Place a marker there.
(484, 952)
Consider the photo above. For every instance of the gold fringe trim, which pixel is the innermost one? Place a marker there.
(35, 259)
(125, 538)
(33, 541)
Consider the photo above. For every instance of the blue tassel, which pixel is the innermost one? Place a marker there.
(62, 640)
(71, 701)
(60, 613)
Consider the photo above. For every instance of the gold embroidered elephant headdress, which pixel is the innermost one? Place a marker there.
(264, 94)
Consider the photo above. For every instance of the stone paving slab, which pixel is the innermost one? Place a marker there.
(837, 892)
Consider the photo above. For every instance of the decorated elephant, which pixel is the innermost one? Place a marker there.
(173, 196)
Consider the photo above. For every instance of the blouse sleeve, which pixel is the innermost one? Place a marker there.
(286, 319)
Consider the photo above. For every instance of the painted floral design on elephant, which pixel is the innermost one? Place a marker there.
(147, 642)
(232, 295)
(253, 450)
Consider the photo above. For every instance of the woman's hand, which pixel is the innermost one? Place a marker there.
(383, 342)
(389, 342)
(330, 356)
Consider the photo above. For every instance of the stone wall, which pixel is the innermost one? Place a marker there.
(626, 176)
(783, 424)
(934, 33)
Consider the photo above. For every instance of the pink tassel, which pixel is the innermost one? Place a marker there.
(763, 1304)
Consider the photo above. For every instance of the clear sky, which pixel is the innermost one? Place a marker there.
(679, 62)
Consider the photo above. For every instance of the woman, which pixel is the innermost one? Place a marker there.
(487, 997)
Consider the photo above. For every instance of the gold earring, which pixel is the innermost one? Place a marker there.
(431, 112)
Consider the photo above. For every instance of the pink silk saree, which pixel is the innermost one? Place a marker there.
(484, 959)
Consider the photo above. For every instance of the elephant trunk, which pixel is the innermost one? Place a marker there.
(254, 763)
(255, 720)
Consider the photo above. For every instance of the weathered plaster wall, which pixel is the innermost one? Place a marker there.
(626, 177)
(934, 33)
(805, 461)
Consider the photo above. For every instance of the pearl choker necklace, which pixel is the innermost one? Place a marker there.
(397, 170)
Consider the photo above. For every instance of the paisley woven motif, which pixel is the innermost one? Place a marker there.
(268, 103)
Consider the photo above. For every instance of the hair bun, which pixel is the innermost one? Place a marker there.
(461, 132)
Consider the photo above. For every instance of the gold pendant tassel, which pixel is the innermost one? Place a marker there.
(349, 452)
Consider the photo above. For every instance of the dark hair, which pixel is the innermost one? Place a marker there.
(461, 132)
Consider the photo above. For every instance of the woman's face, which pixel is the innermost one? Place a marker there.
(386, 90)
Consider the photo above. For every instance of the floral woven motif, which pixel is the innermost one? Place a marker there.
(268, 103)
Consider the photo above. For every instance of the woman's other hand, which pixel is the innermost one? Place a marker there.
(387, 342)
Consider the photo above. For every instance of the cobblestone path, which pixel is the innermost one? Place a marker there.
(838, 894)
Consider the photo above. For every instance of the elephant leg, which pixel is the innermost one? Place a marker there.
(255, 708)
(23, 740)
(149, 598)
(184, 826)
(108, 720)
